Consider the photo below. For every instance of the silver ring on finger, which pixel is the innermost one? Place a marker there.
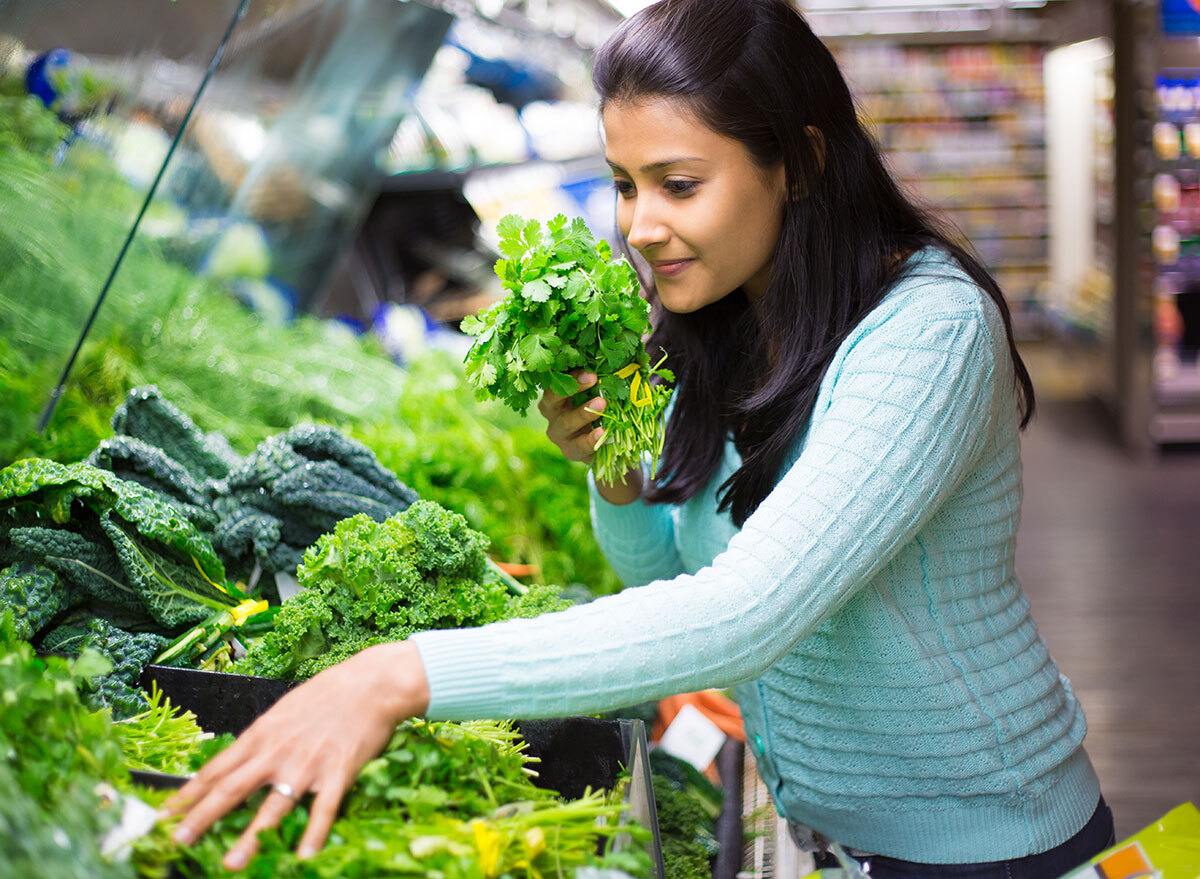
(285, 790)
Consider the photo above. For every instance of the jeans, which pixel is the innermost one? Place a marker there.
(1097, 835)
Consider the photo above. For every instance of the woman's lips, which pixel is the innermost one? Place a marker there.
(671, 267)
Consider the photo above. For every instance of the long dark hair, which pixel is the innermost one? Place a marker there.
(752, 70)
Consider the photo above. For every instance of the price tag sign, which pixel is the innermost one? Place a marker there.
(693, 737)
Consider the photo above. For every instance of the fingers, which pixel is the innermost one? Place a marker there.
(270, 813)
(222, 764)
(550, 402)
(321, 816)
(219, 798)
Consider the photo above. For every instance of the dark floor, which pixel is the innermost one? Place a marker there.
(1109, 553)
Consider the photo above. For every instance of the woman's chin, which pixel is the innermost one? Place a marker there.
(678, 302)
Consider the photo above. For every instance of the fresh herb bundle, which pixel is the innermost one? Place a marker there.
(571, 306)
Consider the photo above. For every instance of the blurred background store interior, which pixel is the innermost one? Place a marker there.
(349, 159)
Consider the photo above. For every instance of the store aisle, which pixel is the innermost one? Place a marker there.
(1109, 553)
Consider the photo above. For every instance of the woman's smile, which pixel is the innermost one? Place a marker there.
(683, 187)
(670, 268)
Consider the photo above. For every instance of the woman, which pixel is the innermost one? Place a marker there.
(832, 530)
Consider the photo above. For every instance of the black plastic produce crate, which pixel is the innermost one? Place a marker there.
(575, 752)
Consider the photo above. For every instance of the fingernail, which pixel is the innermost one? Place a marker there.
(599, 404)
(183, 835)
(162, 814)
(586, 379)
(305, 851)
(236, 859)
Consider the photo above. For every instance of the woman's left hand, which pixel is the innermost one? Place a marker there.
(315, 739)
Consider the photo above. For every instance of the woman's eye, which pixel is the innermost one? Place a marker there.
(623, 187)
(680, 187)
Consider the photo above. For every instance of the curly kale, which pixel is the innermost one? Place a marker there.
(683, 859)
(686, 830)
(145, 415)
(34, 595)
(369, 582)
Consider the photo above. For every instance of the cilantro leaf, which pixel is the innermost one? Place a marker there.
(570, 305)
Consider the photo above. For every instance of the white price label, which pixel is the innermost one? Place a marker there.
(693, 737)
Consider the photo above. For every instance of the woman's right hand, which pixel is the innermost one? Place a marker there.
(573, 429)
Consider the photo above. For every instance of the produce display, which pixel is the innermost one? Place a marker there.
(197, 451)
(496, 468)
(455, 800)
(571, 306)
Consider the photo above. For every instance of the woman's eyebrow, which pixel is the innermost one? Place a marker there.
(654, 166)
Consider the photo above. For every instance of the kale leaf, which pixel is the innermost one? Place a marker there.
(370, 582)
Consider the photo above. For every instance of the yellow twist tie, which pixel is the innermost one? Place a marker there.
(247, 609)
(636, 385)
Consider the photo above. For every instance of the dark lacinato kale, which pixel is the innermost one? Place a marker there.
(113, 543)
(145, 415)
(34, 596)
(146, 464)
(128, 654)
(295, 487)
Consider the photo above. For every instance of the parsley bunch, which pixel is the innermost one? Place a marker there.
(570, 306)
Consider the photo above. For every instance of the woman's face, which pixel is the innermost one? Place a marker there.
(693, 202)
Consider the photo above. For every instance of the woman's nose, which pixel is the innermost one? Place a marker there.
(646, 231)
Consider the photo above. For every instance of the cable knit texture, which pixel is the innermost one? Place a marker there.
(894, 687)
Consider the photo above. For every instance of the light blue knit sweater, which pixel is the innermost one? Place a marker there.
(894, 687)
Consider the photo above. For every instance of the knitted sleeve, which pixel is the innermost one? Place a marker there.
(906, 418)
(638, 539)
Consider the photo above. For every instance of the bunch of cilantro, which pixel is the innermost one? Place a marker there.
(571, 306)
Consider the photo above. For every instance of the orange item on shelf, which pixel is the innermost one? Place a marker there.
(517, 570)
(716, 707)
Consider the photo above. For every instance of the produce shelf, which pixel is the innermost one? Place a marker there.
(575, 753)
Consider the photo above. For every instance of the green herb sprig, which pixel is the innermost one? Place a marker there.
(571, 306)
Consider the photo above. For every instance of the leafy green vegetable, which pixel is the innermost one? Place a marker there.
(121, 544)
(161, 737)
(33, 594)
(685, 827)
(370, 582)
(55, 752)
(127, 654)
(60, 841)
(295, 487)
(150, 466)
(444, 799)
(86, 565)
(146, 416)
(52, 489)
(571, 306)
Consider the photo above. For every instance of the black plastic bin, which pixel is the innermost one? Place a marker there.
(575, 752)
